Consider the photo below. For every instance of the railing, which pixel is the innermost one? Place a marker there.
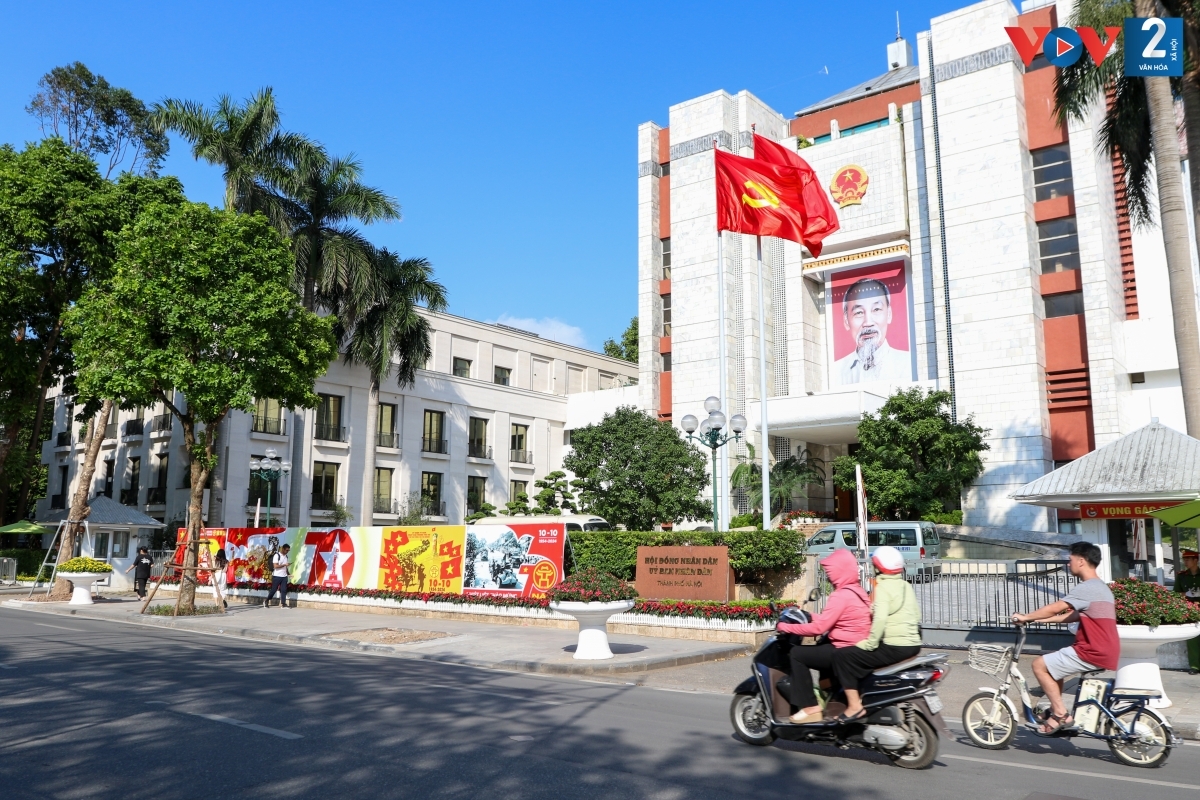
(110, 430)
(429, 445)
(330, 433)
(135, 427)
(156, 496)
(521, 456)
(274, 425)
(387, 440)
(433, 508)
(58, 500)
(324, 502)
(63, 439)
(386, 505)
(161, 423)
(129, 497)
(479, 450)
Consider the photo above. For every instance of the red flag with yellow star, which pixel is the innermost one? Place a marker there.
(820, 218)
(759, 198)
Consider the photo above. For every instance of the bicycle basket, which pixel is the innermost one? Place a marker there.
(988, 658)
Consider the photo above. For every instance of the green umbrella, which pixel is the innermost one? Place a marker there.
(24, 526)
(1184, 516)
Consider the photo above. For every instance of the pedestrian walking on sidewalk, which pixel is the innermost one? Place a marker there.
(1187, 583)
(280, 568)
(219, 577)
(142, 562)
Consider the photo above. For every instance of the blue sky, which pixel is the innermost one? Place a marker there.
(507, 131)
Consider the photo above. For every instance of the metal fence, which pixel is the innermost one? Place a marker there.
(966, 595)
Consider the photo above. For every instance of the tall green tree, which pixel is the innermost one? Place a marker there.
(915, 459)
(637, 471)
(1139, 129)
(627, 348)
(200, 304)
(245, 140)
(100, 120)
(789, 477)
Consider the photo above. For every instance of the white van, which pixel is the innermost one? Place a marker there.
(574, 522)
(918, 542)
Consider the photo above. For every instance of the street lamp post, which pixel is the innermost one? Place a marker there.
(269, 469)
(711, 437)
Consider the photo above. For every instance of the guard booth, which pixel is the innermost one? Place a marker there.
(114, 533)
(1116, 488)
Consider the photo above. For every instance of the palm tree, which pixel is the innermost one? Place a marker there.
(246, 142)
(789, 476)
(1139, 128)
(332, 258)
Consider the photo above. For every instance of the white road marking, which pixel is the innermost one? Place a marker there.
(521, 738)
(237, 723)
(61, 628)
(1104, 777)
(6, 666)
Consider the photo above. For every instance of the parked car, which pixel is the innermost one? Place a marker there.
(574, 522)
(917, 541)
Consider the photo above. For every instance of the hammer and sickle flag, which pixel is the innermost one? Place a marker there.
(758, 198)
(820, 217)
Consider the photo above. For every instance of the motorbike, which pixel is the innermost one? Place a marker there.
(1137, 734)
(903, 708)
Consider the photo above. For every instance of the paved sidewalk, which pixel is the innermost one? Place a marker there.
(509, 647)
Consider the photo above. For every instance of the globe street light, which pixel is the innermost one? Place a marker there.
(709, 434)
(269, 469)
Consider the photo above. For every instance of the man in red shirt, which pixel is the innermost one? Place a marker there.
(1097, 645)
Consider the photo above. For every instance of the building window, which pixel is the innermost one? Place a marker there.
(477, 438)
(666, 301)
(268, 417)
(329, 419)
(385, 427)
(100, 546)
(566, 437)
(574, 380)
(433, 437)
(519, 445)
(666, 169)
(666, 362)
(120, 544)
(383, 491)
(1137, 377)
(1064, 305)
(64, 485)
(501, 375)
(516, 489)
(266, 491)
(325, 485)
(431, 492)
(109, 475)
(476, 493)
(1070, 526)
(666, 258)
(462, 368)
(1052, 172)
(1058, 245)
(157, 494)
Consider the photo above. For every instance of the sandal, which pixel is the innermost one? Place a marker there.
(842, 719)
(1055, 724)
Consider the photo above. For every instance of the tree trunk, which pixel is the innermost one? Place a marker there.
(367, 518)
(35, 442)
(79, 500)
(199, 470)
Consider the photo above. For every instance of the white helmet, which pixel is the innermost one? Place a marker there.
(888, 560)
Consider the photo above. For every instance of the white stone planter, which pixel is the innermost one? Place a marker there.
(593, 635)
(1139, 666)
(81, 594)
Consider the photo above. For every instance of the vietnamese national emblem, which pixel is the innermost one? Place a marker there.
(849, 185)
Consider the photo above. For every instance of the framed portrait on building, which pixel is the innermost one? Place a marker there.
(869, 323)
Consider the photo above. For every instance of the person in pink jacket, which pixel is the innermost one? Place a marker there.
(847, 620)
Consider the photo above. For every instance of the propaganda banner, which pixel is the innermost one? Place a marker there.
(520, 559)
(422, 559)
(869, 321)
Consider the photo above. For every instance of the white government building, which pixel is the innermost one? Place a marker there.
(1060, 312)
(484, 420)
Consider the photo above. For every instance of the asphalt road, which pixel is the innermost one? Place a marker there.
(99, 709)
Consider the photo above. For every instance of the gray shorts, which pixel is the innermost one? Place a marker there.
(1066, 662)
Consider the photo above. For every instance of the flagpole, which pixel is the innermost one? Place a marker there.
(717, 470)
(762, 390)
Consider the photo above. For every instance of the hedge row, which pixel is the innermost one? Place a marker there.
(750, 552)
(28, 560)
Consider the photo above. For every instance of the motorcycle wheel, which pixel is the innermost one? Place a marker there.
(923, 749)
(1153, 744)
(994, 736)
(751, 722)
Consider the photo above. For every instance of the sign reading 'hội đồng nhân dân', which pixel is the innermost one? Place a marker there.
(684, 573)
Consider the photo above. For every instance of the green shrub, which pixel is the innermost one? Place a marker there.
(84, 564)
(948, 518)
(751, 553)
(746, 520)
(28, 560)
(169, 611)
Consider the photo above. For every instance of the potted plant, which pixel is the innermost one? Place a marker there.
(592, 596)
(82, 572)
(1149, 616)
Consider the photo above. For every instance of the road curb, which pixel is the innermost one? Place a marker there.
(537, 667)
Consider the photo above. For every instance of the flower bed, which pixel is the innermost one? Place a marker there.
(591, 586)
(1141, 603)
(85, 564)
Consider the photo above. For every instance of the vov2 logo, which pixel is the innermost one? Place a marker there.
(1153, 45)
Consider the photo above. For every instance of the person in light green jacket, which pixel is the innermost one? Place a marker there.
(895, 630)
